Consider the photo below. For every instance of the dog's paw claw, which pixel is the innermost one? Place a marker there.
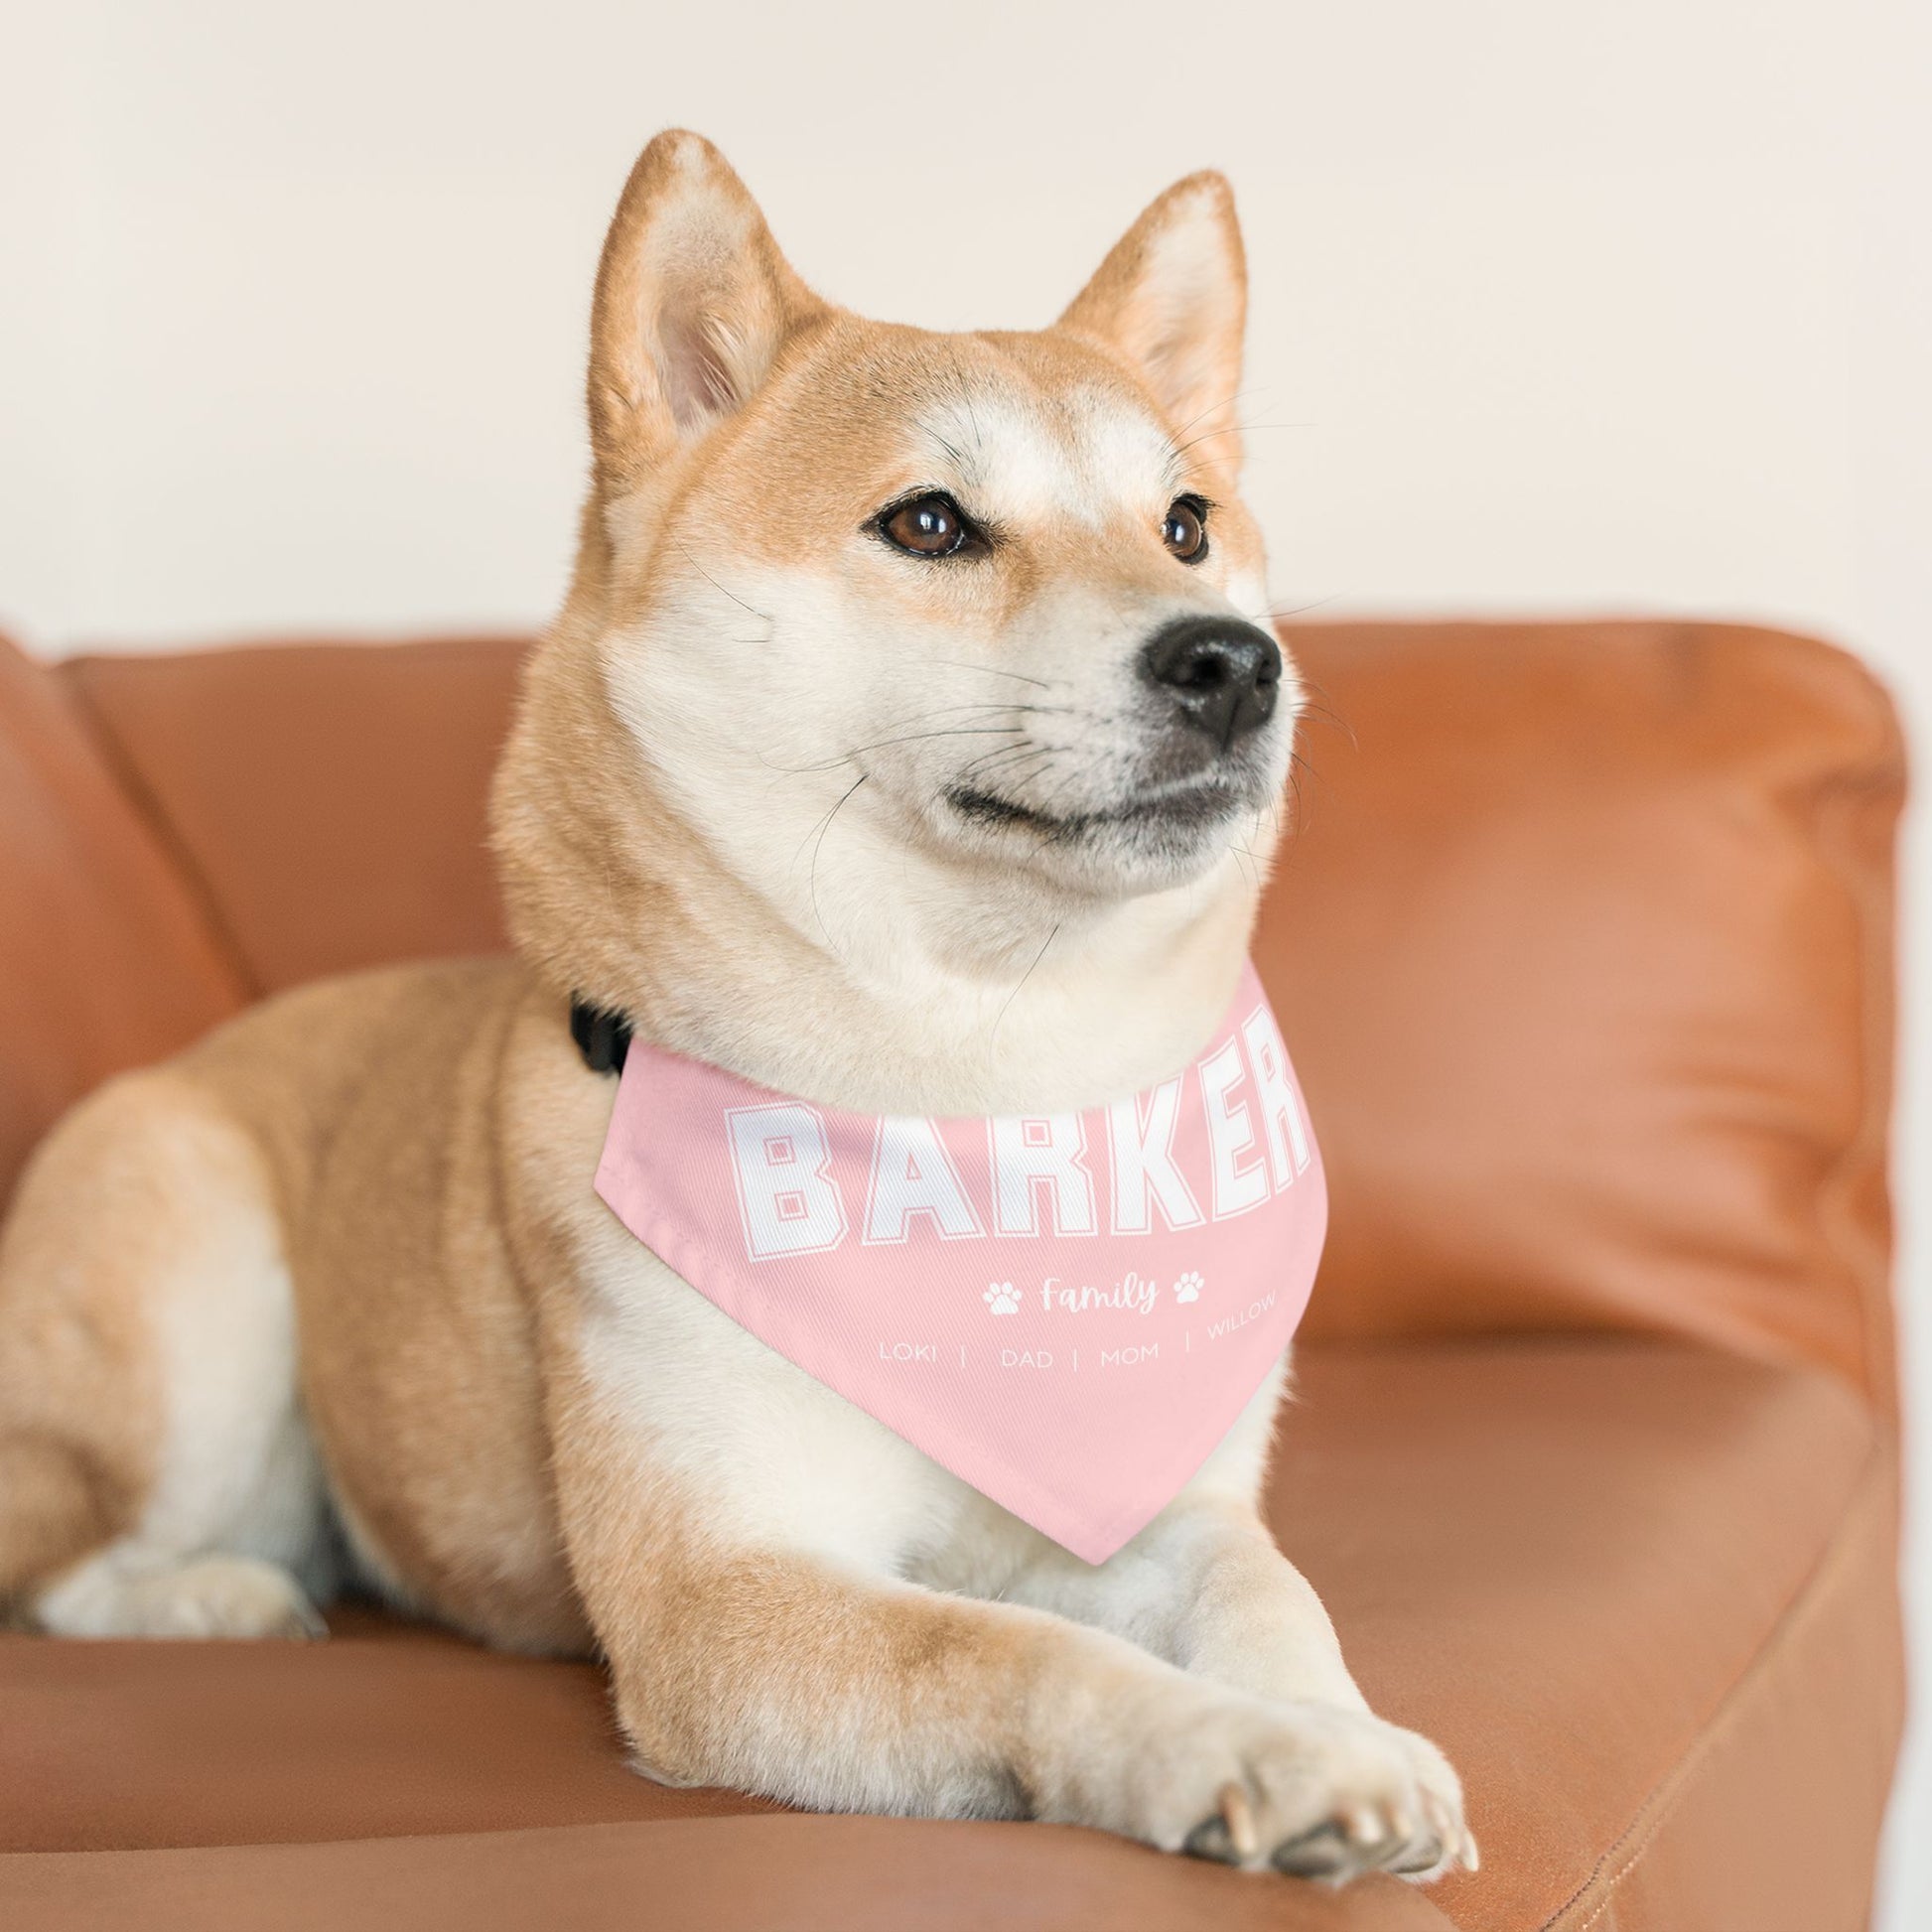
(1323, 1853)
(1229, 1837)
(303, 1625)
(1422, 1860)
(1450, 1844)
(1239, 1816)
(1210, 1839)
(1313, 1790)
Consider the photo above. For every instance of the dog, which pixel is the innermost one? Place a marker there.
(845, 768)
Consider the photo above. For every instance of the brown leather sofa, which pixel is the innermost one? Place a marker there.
(1584, 947)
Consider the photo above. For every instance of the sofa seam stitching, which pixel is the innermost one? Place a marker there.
(1879, 775)
(141, 796)
(1659, 1802)
(1837, 804)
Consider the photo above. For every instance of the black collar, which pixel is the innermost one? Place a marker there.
(602, 1036)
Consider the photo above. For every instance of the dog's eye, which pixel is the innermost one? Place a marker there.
(1186, 530)
(927, 526)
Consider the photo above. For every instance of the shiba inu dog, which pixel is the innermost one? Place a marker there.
(907, 742)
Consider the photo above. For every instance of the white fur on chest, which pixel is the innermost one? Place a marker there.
(776, 1458)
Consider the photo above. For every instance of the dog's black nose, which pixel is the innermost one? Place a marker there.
(1223, 674)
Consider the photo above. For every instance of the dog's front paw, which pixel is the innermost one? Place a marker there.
(1310, 1789)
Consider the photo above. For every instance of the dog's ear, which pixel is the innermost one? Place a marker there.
(693, 303)
(1173, 299)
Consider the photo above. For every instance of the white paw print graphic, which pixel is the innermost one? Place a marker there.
(1188, 1288)
(1001, 1298)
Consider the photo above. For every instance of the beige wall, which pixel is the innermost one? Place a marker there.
(1545, 313)
(1556, 305)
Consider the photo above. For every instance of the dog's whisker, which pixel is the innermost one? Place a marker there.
(880, 744)
(1180, 470)
(764, 616)
(811, 881)
(980, 759)
(917, 737)
(1226, 402)
(1277, 612)
(995, 763)
(1019, 772)
(1233, 428)
(1025, 977)
(1325, 709)
(1077, 776)
(994, 670)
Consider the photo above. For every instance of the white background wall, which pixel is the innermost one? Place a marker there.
(1558, 305)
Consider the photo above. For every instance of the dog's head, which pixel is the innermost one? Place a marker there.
(988, 603)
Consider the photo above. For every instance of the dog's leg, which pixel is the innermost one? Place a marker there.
(778, 1672)
(1204, 1588)
(812, 1676)
(155, 1479)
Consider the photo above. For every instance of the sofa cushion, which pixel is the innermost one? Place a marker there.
(1601, 1573)
(331, 796)
(106, 956)
(1583, 949)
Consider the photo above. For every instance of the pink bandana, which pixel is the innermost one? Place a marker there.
(1067, 1311)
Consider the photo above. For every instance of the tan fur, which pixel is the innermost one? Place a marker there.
(342, 1264)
